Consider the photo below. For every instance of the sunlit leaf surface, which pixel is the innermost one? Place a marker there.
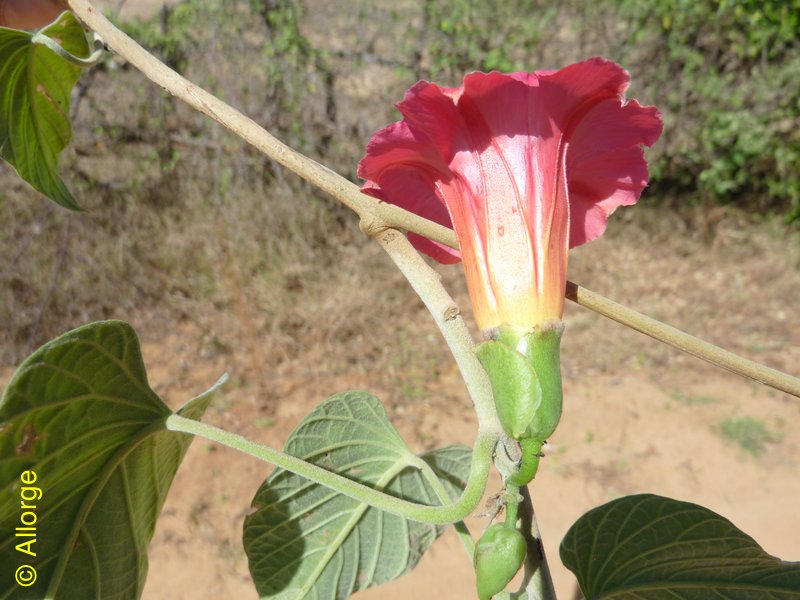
(306, 541)
(80, 415)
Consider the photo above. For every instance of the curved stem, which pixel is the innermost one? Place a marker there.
(379, 214)
(529, 463)
(446, 314)
(84, 63)
(437, 515)
(444, 497)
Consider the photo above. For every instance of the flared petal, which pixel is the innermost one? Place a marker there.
(605, 164)
(402, 168)
(522, 166)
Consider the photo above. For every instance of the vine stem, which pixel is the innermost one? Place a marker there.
(537, 584)
(444, 497)
(84, 63)
(435, 515)
(379, 214)
(427, 284)
(337, 186)
(683, 341)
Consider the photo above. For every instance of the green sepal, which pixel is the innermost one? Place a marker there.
(543, 350)
(515, 385)
(498, 556)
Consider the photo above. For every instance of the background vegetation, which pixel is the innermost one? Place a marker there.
(723, 73)
(183, 217)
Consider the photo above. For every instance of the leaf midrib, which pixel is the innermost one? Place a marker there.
(92, 494)
(387, 478)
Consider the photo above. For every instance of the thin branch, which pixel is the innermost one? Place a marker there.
(337, 186)
(537, 583)
(683, 341)
(376, 214)
(445, 311)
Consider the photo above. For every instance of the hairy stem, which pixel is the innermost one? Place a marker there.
(436, 515)
(537, 583)
(445, 311)
(380, 214)
(444, 497)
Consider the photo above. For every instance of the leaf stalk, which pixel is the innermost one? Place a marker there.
(435, 515)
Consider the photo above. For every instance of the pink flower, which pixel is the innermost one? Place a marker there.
(523, 166)
(30, 14)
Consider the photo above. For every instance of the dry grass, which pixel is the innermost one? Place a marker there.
(185, 223)
(733, 284)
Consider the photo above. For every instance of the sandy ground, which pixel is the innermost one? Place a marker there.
(620, 434)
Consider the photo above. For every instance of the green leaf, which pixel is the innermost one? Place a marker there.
(648, 547)
(80, 414)
(34, 103)
(305, 540)
(197, 406)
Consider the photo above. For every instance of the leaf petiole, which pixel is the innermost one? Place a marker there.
(84, 63)
(435, 515)
(461, 528)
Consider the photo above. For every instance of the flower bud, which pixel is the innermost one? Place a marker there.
(498, 556)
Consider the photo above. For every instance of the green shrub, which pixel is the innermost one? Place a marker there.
(723, 72)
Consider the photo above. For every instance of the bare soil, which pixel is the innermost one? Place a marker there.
(638, 417)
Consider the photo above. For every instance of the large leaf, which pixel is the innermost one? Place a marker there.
(648, 547)
(306, 541)
(34, 103)
(80, 414)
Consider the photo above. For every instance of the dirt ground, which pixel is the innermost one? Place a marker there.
(622, 433)
(637, 418)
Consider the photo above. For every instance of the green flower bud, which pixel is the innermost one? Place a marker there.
(498, 556)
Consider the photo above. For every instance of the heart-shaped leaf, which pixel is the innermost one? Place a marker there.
(34, 103)
(648, 547)
(85, 465)
(305, 540)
